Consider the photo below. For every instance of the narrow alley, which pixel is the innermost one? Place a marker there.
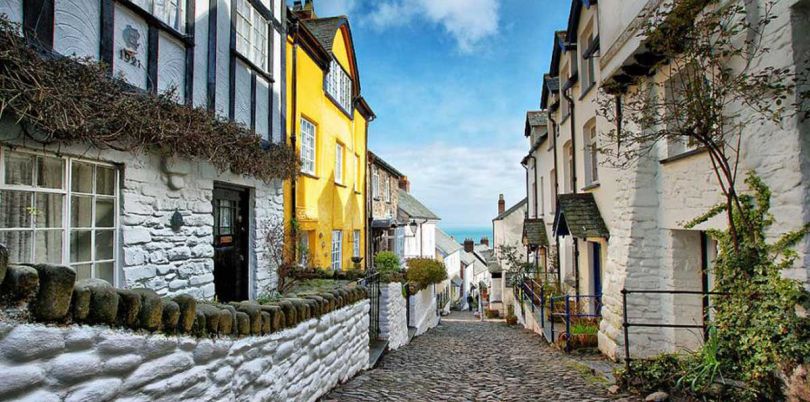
(466, 359)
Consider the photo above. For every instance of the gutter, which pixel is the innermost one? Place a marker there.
(574, 184)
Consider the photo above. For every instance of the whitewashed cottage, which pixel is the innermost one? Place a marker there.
(171, 224)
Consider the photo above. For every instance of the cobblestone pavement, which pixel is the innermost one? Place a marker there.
(467, 360)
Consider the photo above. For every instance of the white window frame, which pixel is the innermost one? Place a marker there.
(339, 85)
(309, 134)
(588, 73)
(591, 154)
(176, 21)
(68, 193)
(675, 146)
(356, 241)
(253, 42)
(303, 248)
(568, 168)
(339, 163)
(375, 184)
(387, 189)
(337, 250)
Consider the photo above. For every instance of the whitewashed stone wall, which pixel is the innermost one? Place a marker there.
(423, 310)
(150, 254)
(79, 363)
(393, 316)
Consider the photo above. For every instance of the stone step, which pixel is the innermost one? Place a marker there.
(376, 350)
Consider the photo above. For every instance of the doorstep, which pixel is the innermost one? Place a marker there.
(375, 352)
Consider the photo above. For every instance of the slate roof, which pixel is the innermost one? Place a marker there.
(536, 118)
(445, 243)
(511, 209)
(578, 215)
(413, 208)
(494, 267)
(324, 29)
(386, 223)
(534, 231)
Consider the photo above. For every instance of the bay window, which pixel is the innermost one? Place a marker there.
(339, 86)
(59, 211)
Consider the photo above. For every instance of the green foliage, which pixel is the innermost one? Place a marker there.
(758, 336)
(645, 376)
(425, 271)
(584, 328)
(388, 265)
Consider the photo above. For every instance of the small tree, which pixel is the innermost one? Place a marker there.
(714, 87)
(280, 252)
(514, 262)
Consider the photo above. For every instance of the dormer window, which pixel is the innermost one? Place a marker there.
(251, 34)
(339, 86)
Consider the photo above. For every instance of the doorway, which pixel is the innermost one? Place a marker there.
(230, 242)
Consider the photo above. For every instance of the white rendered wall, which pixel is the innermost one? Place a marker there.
(393, 316)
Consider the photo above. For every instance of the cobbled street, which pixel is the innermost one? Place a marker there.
(464, 359)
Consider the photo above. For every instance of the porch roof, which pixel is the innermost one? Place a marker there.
(534, 232)
(578, 215)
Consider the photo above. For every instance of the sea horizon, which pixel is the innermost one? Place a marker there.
(460, 233)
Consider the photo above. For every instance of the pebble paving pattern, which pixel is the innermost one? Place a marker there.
(464, 359)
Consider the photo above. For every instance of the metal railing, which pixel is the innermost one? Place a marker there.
(559, 310)
(626, 324)
(372, 282)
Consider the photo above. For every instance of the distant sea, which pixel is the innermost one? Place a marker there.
(467, 232)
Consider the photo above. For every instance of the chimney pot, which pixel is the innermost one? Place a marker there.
(485, 241)
(405, 184)
(501, 204)
(469, 245)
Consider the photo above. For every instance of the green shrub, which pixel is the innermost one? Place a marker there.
(389, 267)
(425, 271)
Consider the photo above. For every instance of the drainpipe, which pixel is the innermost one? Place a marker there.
(574, 184)
(526, 215)
(556, 196)
(293, 133)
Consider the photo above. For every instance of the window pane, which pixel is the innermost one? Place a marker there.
(80, 245)
(81, 208)
(48, 245)
(105, 212)
(48, 210)
(19, 168)
(19, 245)
(104, 270)
(15, 209)
(50, 172)
(82, 177)
(105, 180)
(104, 244)
(83, 271)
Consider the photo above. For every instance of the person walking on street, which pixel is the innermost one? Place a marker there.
(470, 302)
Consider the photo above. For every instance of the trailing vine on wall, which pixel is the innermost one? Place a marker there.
(66, 100)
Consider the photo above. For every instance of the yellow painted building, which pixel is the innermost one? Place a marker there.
(328, 125)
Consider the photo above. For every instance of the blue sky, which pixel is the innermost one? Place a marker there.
(450, 82)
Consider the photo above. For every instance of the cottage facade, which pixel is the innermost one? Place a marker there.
(328, 126)
(387, 232)
(171, 224)
(623, 228)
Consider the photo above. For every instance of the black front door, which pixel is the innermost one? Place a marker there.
(230, 243)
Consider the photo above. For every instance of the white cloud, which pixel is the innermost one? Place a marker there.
(461, 183)
(329, 8)
(467, 21)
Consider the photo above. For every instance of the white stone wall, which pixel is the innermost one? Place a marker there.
(423, 310)
(150, 254)
(80, 363)
(393, 316)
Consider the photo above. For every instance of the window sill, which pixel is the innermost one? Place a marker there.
(683, 155)
(340, 185)
(310, 175)
(357, 192)
(590, 186)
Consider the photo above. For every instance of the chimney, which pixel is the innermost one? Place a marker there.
(485, 241)
(306, 11)
(404, 184)
(469, 245)
(501, 204)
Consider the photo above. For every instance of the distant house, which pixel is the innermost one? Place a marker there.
(448, 250)
(474, 269)
(507, 230)
(420, 230)
(387, 232)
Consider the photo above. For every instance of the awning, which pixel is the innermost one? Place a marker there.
(534, 233)
(578, 215)
(388, 223)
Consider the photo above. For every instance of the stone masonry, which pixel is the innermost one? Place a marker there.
(393, 320)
